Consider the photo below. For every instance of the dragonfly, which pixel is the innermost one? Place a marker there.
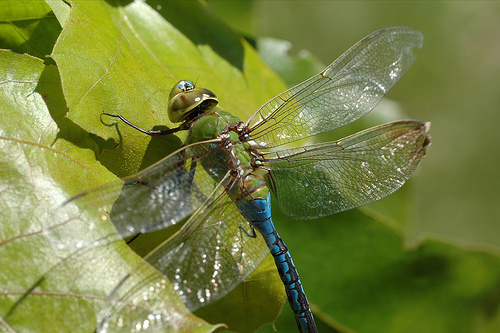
(219, 182)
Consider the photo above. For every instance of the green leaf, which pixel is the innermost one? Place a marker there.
(60, 263)
(137, 56)
(63, 262)
(28, 27)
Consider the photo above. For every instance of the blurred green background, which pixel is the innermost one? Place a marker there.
(454, 84)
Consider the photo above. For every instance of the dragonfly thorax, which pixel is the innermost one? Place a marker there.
(236, 153)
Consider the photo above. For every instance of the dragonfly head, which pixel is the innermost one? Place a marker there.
(187, 101)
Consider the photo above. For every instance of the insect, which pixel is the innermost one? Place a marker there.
(221, 178)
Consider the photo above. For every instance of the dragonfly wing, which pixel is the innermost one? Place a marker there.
(159, 196)
(327, 178)
(345, 91)
(206, 259)
(211, 255)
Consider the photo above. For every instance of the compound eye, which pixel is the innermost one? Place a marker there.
(181, 86)
(185, 85)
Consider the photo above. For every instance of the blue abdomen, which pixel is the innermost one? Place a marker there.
(257, 211)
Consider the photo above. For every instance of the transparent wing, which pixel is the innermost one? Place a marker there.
(211, 255)
(345, 91)
(161, 195)
(327, 178)
(206, 259)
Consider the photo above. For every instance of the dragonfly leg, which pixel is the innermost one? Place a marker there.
(252, 234)
(133, 238)
(148, 132)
